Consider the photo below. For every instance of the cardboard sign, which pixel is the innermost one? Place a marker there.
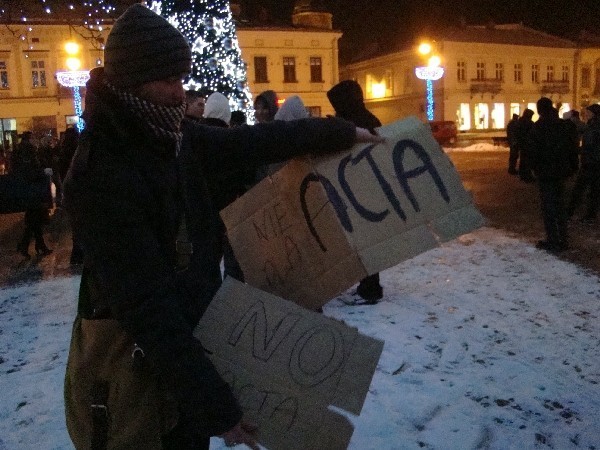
(320, 225)
(286, 365)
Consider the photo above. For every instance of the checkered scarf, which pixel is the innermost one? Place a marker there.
(163, 121)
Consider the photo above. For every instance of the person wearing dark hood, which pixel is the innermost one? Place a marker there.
(522, 149)
(136, 377)
(554, 158)
(347, 100)
(588, 176)
(25, 164)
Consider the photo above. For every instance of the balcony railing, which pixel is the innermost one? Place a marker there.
(555, 87)
(486, 86)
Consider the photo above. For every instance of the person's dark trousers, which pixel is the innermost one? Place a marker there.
(34, 220)
(230, 263)
(370, 289)
(587, 177)
(525, 171)
(554, 212)
(185, 437)
(513, 157)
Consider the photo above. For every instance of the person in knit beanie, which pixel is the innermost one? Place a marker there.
(143, 46)
(136, 375)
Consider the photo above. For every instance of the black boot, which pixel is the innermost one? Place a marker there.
(23, 249)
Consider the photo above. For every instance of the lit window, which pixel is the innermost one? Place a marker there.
(314, 111)
(289, 70)
(316, 70)
(260, 69)
(500, 71)
(535, 73)
(585, 77)
(3, 75)
(518, 73)
(481, 71)
(565, 73)
(461, 71)
(38, 74)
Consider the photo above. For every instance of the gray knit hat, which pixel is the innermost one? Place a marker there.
(143, 46)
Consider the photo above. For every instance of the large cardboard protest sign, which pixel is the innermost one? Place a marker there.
(286, 365)
(319, 225)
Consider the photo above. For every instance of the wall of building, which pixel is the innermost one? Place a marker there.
(477, 101)
(49, 108)
(302, 45)
(39, 103)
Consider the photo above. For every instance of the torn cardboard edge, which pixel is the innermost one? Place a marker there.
(287, 364)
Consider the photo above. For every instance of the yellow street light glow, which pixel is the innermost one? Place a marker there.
(434, 61)
(425, 48)
(72, 48)
(378, 90)
(73, 63)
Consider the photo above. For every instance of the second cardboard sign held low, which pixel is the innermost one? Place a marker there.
(320, 225)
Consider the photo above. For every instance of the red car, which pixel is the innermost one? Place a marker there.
(445, 132)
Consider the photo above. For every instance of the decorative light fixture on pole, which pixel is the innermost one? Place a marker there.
(74, 78)
(429, 73)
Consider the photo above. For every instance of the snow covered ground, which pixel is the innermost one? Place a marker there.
(489, 344)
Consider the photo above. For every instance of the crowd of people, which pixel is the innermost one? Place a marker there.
(143, 186)
(551, 150)
(41, 160)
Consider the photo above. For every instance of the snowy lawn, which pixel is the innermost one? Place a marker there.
(489, 343)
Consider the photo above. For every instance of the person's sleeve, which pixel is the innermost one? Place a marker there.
(251, 146)
(144, 295)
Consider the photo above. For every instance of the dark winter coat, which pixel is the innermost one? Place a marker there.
(511, 131)
(553, 148)
(25, 162)
(590, 147)
(122, 192)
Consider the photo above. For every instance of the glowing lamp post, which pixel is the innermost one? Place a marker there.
(429, 73)
(74, 78)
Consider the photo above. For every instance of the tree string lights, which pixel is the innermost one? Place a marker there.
(217, 64)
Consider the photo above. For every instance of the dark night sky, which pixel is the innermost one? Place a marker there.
(363, 21)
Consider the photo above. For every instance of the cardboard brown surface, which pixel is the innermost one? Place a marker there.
(320, 225)
(286, 365)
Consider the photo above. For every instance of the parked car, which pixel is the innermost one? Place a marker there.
(445, 132)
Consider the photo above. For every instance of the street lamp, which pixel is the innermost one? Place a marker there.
(74, 78)
(433, 71)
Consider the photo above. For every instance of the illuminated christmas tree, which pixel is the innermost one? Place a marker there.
(217, 64)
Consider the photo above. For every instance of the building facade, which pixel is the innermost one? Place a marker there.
(299, 59)
(490, 73)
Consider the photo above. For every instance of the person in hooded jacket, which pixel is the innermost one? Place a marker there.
(554, 158)
(136, 377)
(347, 100)
(589, 172)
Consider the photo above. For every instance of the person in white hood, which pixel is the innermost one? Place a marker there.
(292, 109)
(217, 110)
